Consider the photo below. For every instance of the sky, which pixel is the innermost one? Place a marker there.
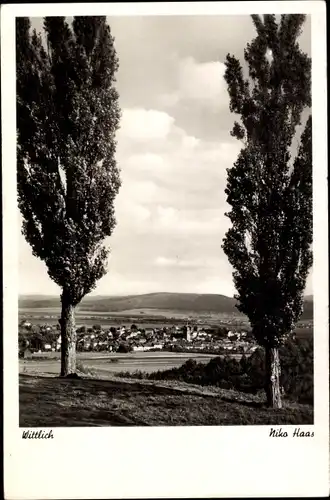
(174, 147)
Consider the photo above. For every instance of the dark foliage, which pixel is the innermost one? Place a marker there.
(67, 116)
(124, 348)
(268, 190)
(248, 374)
(67, 176)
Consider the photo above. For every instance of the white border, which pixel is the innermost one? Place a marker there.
(179, 461)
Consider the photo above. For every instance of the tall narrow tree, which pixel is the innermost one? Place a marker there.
(67, 177)
(269, 189)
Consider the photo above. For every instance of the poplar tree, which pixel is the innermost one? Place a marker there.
(269, 188)
(67, 177)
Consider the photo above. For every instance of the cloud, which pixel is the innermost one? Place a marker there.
(202, 81)
(174, 146)
(173, 183)
(174, 158)
(169, 100)
(170, 220)
(144, 191)
(182, 263)
(146, 163)
(164, 261)
(221, 284)
(190, 142)
(144, 124)
(123, 283)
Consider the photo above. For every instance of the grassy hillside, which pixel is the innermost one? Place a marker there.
(220, 392)
(165, 301)
(248, 374)
(55, 402)
(180, 302)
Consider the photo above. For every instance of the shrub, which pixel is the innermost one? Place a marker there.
(125, 348)
(248, 375)
(84, 369)
(136, 374)
(82, 329)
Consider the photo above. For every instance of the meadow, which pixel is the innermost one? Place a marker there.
(144, 388)
(164, 389)
(103, 364)
(145, 319)
(54, 402)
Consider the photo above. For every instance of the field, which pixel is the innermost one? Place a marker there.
(53, 402)
(99, 397)
(144, 319)
(155, 304)
(103, 364)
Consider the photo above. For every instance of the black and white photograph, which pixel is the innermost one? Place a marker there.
(193, 166)
(165, 223)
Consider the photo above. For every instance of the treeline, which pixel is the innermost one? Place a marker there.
(208, 349)
(248, 374)
(37, 339)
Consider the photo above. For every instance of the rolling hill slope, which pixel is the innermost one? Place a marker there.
(180, 302)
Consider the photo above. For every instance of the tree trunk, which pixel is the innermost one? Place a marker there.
(68, 337)
(273, 372)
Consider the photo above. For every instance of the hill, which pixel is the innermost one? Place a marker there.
(179, 302)
(54, 402)
(165, 301)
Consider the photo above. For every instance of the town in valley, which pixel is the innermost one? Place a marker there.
(233, 337)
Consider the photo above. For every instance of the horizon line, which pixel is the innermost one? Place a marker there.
(125, 295)
(136, 294)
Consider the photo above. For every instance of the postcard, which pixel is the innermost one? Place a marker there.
(165, 250)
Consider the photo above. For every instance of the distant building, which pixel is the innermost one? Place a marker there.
(26, 324)
(132, 335)
(58, 343)
(138, 348)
